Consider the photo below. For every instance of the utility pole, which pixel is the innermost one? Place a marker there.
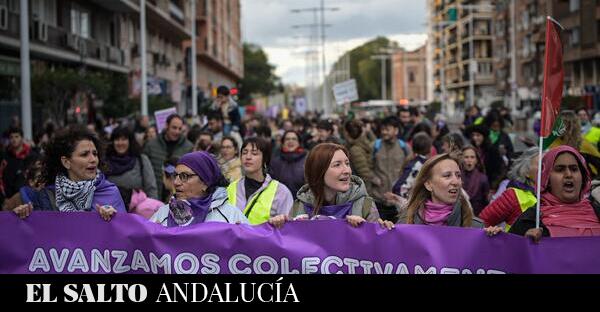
(322, 26)
(25, 73)
(311, 61)
(143, 57)
(472, 63)
(404, 76)
(513, 57)
(382, 58)
(193, 63)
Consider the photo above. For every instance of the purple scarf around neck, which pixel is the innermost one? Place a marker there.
(182, 211)
(117, 165)
(336, 211)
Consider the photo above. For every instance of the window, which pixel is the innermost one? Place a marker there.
(13, 6)
(44, 11)
(575, 37)
(574, 5)
(80, 21)
(411, 77)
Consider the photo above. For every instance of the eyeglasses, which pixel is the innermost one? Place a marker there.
(184, 176)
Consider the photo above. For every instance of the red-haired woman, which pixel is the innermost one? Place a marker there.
(332, 190)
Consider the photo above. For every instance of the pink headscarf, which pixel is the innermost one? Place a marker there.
(567, 220)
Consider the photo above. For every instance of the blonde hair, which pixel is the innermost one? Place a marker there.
(419, 194)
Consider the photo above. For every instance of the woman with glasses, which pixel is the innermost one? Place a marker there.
(200, 194)
(287, 166)
(230, 163)
(257, 194)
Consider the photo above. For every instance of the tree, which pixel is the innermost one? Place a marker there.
(54, 89)
(367, 71)
(259, 76)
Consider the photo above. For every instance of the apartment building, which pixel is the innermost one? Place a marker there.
(462, 60)
(219, 48)
(581, 42)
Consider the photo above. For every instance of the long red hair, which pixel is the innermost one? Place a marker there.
(317, 164)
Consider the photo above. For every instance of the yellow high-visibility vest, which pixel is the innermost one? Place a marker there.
(526, 200)
(261, 210)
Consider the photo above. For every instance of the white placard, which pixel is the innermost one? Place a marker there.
(345, 92)
(161, 117)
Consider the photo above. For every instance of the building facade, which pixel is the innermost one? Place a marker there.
(219, 48)
(462, 62)
(104, 36)
(528, 18)
(409, 76)
(581, 46)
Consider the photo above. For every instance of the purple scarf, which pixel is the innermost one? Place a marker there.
(182, 211)
(336, 211)
(107, 193)
(436, 214)
(117, 165)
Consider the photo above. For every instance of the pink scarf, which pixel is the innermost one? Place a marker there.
(436, 214)
(567, 220)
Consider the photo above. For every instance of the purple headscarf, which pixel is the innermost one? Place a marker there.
(204, 165)
(207, 169)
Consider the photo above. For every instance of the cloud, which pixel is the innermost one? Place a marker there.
(268, 23)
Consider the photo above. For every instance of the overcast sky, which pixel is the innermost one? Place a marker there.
(268, 23)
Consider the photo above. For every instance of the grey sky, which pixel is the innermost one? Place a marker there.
(269, 24)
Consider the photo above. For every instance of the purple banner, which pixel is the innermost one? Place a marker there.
(49, 242)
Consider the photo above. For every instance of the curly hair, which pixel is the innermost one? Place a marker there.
(63, 144)
(572, 135)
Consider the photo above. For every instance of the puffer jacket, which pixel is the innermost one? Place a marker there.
(362, 204)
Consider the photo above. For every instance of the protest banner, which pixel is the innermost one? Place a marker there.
(49, 242)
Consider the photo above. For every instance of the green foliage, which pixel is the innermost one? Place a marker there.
(54, 88)
(367, 71)
(259, 76)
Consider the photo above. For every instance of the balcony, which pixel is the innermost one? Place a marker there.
(166, 20)
(54, 43)
(176, 13)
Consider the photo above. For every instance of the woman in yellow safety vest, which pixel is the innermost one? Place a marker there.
(518, 196)
(256, 194)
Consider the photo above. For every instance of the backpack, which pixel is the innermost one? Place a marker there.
(401, 142)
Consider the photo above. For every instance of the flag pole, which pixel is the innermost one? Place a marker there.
(549, 97)
(539, 183)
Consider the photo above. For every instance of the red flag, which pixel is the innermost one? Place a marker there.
(553, 78)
